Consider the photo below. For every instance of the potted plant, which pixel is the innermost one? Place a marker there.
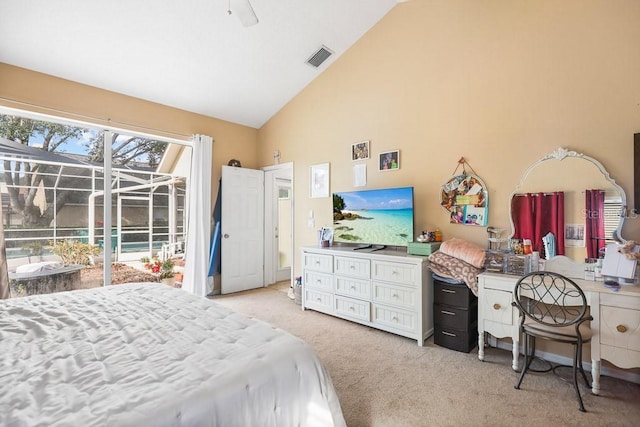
(166, 272)
(163, 269)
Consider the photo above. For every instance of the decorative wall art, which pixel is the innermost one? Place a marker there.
(360, 150)
(465, 197)
(319, 181)
(389, 160)
(574, 235)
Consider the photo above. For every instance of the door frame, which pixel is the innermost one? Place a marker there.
(284, 170)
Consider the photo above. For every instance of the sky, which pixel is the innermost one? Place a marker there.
(386, 198)
(72, 146)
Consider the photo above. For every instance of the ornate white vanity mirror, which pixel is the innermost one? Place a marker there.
(568, 179)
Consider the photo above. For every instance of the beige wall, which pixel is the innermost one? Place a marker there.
(498, 82)
(31, 90)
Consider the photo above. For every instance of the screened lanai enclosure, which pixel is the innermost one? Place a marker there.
(52, 190)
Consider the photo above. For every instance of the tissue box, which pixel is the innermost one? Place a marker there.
(418, 248)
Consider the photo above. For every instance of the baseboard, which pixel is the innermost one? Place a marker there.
(621, 374)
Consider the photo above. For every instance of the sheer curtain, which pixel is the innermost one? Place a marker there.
(536, 215)
(199, 222)
(594, 230)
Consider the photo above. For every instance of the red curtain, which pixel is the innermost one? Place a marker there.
(594, 230)
(536, 215)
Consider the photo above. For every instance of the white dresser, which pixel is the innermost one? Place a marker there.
(615, 326)
(387, 290)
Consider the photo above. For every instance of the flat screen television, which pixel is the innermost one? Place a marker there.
(374, 217)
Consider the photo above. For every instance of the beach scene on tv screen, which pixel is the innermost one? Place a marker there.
(382, 217)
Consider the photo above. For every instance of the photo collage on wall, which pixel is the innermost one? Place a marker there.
(464, 196)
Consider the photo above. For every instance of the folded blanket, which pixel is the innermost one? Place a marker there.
(465, 251)
(448, 266)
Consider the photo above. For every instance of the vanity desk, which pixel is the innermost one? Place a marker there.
(615, 327)
(616, 314)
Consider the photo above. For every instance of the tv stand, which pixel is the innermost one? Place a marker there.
(359, 248)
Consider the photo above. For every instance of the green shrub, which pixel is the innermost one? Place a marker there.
(75, 252)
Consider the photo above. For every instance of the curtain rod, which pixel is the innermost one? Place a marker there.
(84, 116)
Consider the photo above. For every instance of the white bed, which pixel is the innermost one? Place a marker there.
(150, 355)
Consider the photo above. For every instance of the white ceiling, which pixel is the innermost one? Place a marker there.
(188, 54)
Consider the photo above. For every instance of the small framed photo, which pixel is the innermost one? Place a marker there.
(319, 180)
(360, 151)
(389, 160)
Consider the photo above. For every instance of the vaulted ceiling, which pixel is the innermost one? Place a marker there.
(188, 54)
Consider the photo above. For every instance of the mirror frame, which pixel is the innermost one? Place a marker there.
(560, 154)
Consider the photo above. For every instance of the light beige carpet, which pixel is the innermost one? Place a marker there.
(386, 380)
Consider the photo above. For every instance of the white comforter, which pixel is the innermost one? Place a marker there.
(150, 355)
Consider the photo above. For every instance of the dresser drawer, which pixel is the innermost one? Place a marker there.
(401, 296)
(356, 288)
(395, 318)
(496, 307)
(454, 295)
(350, 307)
(454, 339)
(454, 317)
(395, 272)
(620, 327)
(355, 267)
(317, 300)
(318, 262)
(320, 281)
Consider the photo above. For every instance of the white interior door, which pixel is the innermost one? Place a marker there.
(279, 255)
(242, 229)
(283, 231)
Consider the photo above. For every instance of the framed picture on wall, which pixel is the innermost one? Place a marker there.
(319, 180)
(574, 235)
(360, 150)
(389, 160)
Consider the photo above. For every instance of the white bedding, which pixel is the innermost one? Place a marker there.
(151, 355)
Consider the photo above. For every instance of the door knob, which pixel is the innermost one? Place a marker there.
(226, 236)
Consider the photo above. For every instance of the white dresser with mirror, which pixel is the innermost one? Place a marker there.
(616, 313)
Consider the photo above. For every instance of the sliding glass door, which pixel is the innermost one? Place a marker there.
(87, 196)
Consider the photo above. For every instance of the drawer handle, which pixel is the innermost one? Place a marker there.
(394, 272)
(450, 313)
(319, 282)
(319, 299)
(448, 333)
(394, 318)
(395, 296)
(352, 308)
(448, 291)
(497, 306)
(353, 288)
(353, 267)
(621, 328)
(317, 262)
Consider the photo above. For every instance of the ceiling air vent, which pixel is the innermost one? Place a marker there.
(319, 57)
